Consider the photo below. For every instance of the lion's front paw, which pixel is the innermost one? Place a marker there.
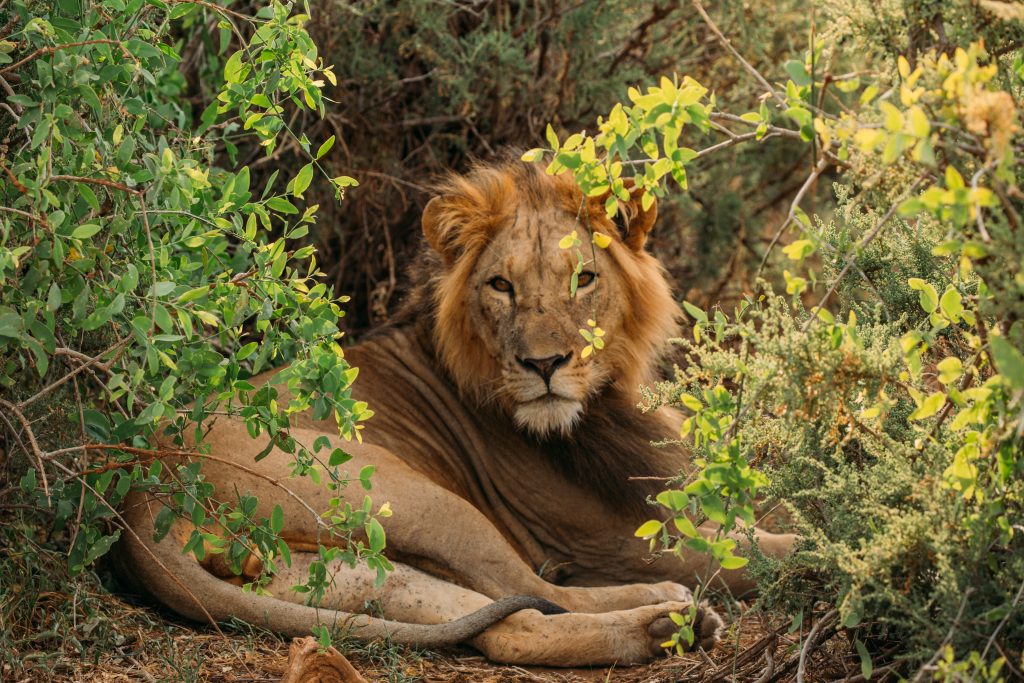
(705, 630)
(709, 624)
(669, 591)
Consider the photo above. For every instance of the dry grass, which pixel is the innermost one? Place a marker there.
(94, 635)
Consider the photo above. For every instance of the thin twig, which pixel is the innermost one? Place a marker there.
(26, 214)
(50, 50)
(865, 241)
(728, 46)
(126, 527)
(35, 452)
(96, 181)
(985, 237)
(216, 8)
(949, 636)
(1002, 622)
(190, 454)
(53, 385)
(823, 164)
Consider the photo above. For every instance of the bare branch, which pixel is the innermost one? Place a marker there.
(728, 46)
(823, 164)
(866, 240)
(53, 385)
(35, 451)
(50, 50)
(810, 642)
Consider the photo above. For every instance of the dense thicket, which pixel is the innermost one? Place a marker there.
(168, 166)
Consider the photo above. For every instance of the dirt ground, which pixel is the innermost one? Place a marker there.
(143, 644)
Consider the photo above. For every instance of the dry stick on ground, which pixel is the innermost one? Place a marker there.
(809, 644)
(784, 670)
(769, 658)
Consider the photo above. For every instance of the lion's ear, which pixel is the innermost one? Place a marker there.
(632, 220)
(438, 228)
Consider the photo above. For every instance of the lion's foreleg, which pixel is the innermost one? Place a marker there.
(527, 637)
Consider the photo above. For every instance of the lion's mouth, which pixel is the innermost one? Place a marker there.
(548, 413)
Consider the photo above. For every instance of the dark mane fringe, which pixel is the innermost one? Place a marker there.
(610, 451)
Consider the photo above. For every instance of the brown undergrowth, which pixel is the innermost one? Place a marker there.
(51, 634)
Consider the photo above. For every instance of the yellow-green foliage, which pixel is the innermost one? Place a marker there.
(881, 399)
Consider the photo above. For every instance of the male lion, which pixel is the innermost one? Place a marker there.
(500, 447)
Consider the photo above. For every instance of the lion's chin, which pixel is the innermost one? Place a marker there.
(548, 415)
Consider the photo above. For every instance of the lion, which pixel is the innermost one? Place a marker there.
(500, 446)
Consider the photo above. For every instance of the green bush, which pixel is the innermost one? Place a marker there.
(881, 399)
(144, 280)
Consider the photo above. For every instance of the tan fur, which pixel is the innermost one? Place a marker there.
(493, 470)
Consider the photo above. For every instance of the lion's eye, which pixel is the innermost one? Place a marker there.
(500, 284)
(585, 278)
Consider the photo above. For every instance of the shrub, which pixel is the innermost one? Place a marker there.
(880, 399)
(144, 280)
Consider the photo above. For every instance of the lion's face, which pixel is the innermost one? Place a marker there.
(525, 316)
(508, 327)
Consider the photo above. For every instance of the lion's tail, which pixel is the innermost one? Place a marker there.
(178, 581)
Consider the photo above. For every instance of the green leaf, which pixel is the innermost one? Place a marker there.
(798, 249)
(277, 519)
(1007, 359)
(534, 155)
(193, 294)
(365, 474)
(375, 534)
(552, 137)
(302, 180)
(648, 529)
(950, 370)
(246, 351)
(865, 660)
(86, 231)
(951, 304)
(233, 67)
(695, 313)
(338, 457)
(928, 296)
(53, 298)
(325, 148)
(929, 406)
(714, 508)
(797, 72)
(733, 562)
(281, 205)
(685, 526)
(673, 499)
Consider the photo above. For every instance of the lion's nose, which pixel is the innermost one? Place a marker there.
(545, 367)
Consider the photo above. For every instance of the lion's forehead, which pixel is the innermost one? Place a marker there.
(527, 247)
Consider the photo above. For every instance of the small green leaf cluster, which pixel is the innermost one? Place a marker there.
(653, 125)
(144, 281)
